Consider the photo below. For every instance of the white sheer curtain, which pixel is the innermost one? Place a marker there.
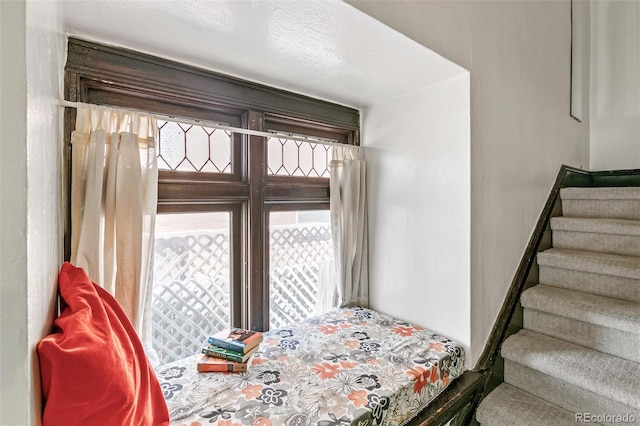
(345, 281)
(114, 194)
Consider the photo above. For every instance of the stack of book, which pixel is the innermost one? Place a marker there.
(229, 350)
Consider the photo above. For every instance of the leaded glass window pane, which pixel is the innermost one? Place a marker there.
(194, 148)
(287, 157)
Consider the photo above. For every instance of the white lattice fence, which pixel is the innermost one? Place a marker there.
(191, 296)
(293, 294)
(182, 257)
(191, 292)
(294, 259)
(299, 244)
(185, 314)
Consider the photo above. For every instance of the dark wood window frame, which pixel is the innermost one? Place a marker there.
(114, 76)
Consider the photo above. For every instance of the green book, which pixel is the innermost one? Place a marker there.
(218, 352)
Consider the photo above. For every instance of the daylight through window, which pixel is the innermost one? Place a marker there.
(242, 224)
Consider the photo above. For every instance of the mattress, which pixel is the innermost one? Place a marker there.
(351, 366)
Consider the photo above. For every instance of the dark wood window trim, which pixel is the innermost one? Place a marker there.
(99, 73)
(114, 76)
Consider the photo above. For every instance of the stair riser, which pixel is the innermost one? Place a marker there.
(612, 377)
(596, 263)
(508, 406)
(618, 343)
(563, 394)
(622, 288)
(602, 311)
(616, 287)
(626, 245)
(610, 209)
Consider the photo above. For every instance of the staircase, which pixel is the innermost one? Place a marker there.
(577, 357)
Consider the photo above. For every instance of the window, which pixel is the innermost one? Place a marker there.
(192, 281)
(299, 245)
(248, 248)
(243, 226)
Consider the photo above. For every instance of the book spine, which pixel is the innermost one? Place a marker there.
(227, 356)
(232, 346)
(221, 368)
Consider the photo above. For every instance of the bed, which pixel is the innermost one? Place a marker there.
(351, 366)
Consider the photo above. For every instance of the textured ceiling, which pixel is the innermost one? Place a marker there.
(322, 48)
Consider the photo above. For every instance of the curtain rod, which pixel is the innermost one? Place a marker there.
(215, 125)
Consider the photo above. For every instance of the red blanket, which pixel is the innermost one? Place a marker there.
(94, 370)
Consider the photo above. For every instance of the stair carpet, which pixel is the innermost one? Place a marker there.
(577, 358)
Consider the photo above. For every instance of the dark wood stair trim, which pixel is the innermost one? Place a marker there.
(458, 402)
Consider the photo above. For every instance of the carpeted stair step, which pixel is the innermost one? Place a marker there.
(614, 236)
(614, 203)
(607, 325)
(589, 272)
(569, 397)
(507, 405)
(610, 377)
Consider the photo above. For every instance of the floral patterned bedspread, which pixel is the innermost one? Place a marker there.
(351, 366)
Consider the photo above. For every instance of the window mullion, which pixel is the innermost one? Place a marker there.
(257, 290)
(237, 235)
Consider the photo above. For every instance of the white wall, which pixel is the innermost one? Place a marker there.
(418, 155)
(615, 85)
(33, 51)
(15, 388)
(46, 56)
(518, 56)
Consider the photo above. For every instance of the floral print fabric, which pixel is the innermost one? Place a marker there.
(351, 366)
